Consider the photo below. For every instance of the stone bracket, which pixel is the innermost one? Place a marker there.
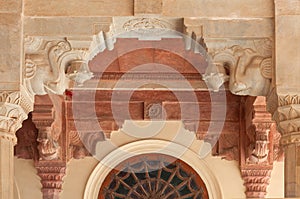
(51, 174)
(260, 147)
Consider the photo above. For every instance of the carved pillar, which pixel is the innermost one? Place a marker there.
(13, 110)
(259, 147)
(287, 117)
(285, 104)
(51, 174)
(51, 161)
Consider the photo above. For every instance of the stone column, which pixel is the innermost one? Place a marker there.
(284, 102)
(11, 117)
(287, 117)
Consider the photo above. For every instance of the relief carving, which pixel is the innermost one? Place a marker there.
(149, 26)
(256, 182)
(259, 151)
(154, 111)
(52, 65)
(51, 174)
(260, 148)
(249, 72)
(48, 148)
(287, 117)
(13, 111)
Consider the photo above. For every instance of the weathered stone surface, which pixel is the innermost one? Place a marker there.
(6, 168)
(221, 8)
(13, 6)
(79, 8)
(147, 7)
(10, 51)
(233, 27)
(287, 7)
(287, 54)
(66, 26)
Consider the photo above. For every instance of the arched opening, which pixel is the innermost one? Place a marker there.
(153, 176)
(193, 170)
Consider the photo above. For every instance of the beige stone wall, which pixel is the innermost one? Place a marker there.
(78, 172)
(26, 179)
(287, 17)
(227, 173)
(172, 8)
(10, 40)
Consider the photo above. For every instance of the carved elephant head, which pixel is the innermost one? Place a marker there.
(249, 73)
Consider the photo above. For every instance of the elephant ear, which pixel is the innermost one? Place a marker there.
(266, 68)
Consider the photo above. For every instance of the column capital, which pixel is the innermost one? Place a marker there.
(14, 108)
(287, 116)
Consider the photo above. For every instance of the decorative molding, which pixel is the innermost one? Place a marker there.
(12, 114)
(278, 152)
(289, 100)
(287, 117)
(46, 65)
(100, 42)
(147, 26)
(258, 151)
(51, 174)
(154, 111)
(256, 181)
(260, 148)
(148, 76)
(32, 44)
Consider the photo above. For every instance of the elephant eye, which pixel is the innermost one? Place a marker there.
(227, 68)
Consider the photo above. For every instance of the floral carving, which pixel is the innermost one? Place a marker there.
(51, 174)
(154, 111)
(12, 114)
(146, 25)
(30, 69)
(256, 182)
(287, 117)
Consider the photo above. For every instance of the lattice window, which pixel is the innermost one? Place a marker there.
(153, 176)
